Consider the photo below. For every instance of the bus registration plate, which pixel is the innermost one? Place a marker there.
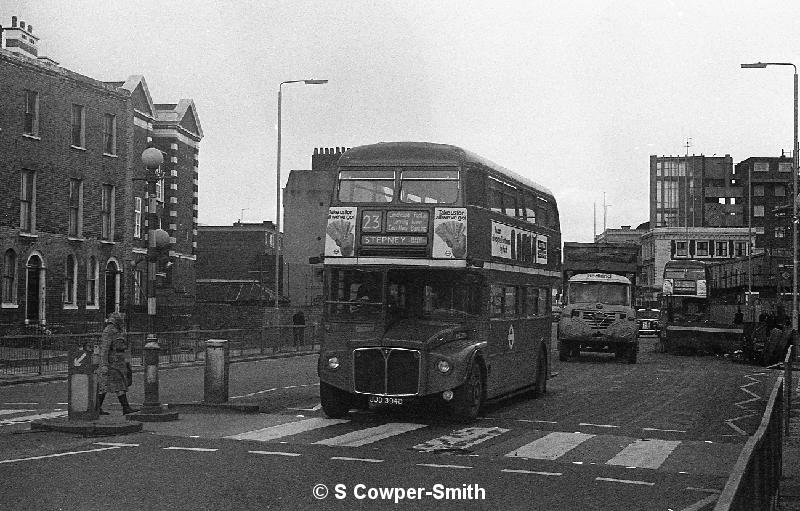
(385, 400)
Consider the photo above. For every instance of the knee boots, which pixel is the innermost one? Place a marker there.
(126, 408)
(99, 404)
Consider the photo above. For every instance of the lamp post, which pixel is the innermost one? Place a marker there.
(761, 65)
(157, 240)
(278, 196)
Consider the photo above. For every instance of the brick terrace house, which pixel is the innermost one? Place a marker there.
(70, 214)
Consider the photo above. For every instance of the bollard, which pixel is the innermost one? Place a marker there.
(82, 385)
(152, 410)
(215, 389)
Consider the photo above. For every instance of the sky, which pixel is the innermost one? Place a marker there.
(574, 95)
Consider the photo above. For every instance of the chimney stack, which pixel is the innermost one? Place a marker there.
(20, 39)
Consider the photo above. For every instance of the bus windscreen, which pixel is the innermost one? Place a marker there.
(599, 292)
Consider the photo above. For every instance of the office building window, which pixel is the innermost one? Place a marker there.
(784, 167)
(70, 280)
(75, 208)
(27, 201)
(9, 291)
(741, 248)
(780, 190)
(780, 232)
(681, 249)
(31, 124)
(110, 134)
(160, 190)
(758, 190)
(702, 248)
(107, 214)
(761, 166)
(758, 210)
(78, 126)
(137, 217)
(92, 276)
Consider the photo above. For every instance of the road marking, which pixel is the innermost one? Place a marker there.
(12, 411)
(647, 453)
(597, 425)
(551, 446)
(514, 471)
(116, 444)
(434, 465)
(59, 454)
(312, 409)
(664, 430)
(700, 504)
(626, 481)
(460, 440)
(195, 449)
(534, 421)
(28, 418)
(290, 428)
(18, 403)
(255, 393)
(366, 460)
(370, 435)
(276, 453)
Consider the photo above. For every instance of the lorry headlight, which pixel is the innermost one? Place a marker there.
(333, 362)
(443, 366)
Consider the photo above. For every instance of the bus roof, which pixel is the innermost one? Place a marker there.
(599, 277)
(421, 153)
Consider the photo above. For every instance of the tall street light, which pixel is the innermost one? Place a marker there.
(278, 195)
(760, 65)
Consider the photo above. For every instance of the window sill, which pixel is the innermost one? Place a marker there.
(79, 148)
(71, 307)
(31, 136)
(92, 307)
(73, 238)
(28, 235)
(108, 242)
(9, 306)
(110, 155)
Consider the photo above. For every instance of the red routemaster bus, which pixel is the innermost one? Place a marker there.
(439, 269)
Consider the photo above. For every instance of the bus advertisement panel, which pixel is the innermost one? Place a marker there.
(420, 303)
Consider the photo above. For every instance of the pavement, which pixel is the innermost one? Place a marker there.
(790, 482)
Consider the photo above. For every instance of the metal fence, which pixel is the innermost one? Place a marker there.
(46, 353)
(755, 480)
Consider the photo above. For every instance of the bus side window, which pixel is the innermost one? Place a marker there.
(533, 302)
(510, 305)
(544, 293)
(495, 301)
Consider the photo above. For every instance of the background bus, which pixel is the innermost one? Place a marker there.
(439, 269)
(598, 316)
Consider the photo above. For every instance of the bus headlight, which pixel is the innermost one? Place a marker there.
(333, 362)
(443, 366)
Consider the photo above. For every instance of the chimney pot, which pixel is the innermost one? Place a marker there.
(13, 22)
(30, 29)
(22, 25)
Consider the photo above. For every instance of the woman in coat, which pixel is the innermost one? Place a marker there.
(112, 371)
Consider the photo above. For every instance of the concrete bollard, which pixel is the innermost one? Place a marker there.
(82, 391)
(215, 389)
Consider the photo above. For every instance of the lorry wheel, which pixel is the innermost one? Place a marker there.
(541, 374)
(335, 402)
(469, 396)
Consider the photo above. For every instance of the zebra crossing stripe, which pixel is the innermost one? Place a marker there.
(29, 418)
(460, 439)
(12, 411)
(288, 429)
(551, 446)
(370, 435)
(648, 453)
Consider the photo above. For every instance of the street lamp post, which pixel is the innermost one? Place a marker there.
(761, 65)
(278, 196)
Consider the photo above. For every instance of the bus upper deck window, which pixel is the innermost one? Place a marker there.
(366, 185)
(430, 186)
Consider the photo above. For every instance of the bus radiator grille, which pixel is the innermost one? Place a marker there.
(386, 371)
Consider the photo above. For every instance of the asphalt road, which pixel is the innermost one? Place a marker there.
(661, 434)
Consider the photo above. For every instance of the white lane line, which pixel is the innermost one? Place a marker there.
(58, 455)
(365, 460)
(551, 446)
(282, 430)
(597, 425)
(195, 449)
(664, 430)
(626, 481)
(20, 403)
(28, 418)
(434, 465)
(276, 453)
(460, 439)
(116, 444)
(700, 504)
(515, 471)
(648, 453)
(538, 422)
(370, 435)
(12, 411)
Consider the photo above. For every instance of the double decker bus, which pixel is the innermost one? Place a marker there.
(690, 322)
(439, 268)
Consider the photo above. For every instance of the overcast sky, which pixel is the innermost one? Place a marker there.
(574, 95)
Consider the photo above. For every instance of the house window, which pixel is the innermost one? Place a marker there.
(780, 232)
(75, 208)
(31, 124)
(721, 249)
(137, 217)
(702, 248)
(110, 134)
(137, 287)
(784, 167)
(761, 166)
(70, 280)
(92, 276)
(780, 190)
(758, 191)
(9, 291)
(758, 210)
(681, 249)
(78, 126)
(27, 201)
(741, 248)
(107, 214)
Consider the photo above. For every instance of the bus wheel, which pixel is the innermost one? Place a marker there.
(469, 397)
(541, 374)
(335, 402)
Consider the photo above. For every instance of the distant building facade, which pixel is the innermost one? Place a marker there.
(623, 235)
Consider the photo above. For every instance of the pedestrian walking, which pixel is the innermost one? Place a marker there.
(113, 372)
(299, 322)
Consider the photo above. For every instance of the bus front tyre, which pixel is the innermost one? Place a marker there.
(469, 396)
(335, 402)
